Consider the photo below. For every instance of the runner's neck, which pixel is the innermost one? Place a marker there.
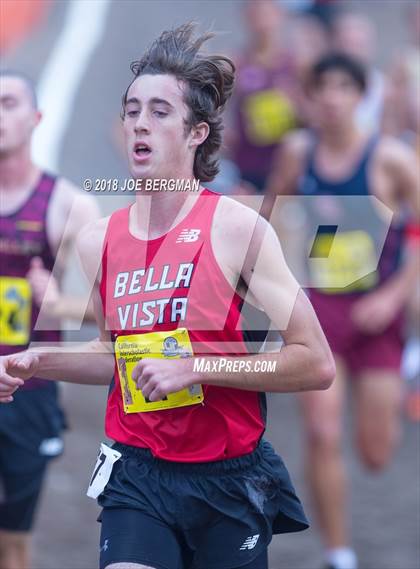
(339, 141)
(17, 172)
(154, 215)
(266, 51)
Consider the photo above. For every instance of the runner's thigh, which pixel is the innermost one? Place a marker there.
(131, 537)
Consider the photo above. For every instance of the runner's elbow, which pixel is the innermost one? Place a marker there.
(325, 372)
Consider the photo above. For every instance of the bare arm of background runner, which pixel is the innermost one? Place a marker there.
(89, 363)
(376, 310)
(286, 169)
(70, 210)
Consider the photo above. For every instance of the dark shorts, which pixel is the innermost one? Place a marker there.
(30, 429)
(219, 515)
(359, 351)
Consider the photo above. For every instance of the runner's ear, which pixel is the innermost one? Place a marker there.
(199, 133)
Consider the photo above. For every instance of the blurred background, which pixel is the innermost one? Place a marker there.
(78, 53)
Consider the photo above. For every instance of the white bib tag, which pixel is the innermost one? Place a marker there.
(102, 472)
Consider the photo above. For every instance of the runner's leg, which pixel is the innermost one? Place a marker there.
(325, 470)
(377, 406)
(14, 549)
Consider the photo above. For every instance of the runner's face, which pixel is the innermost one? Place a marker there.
(336, 98)
(155, 131)
(18, 117)
(263, 18)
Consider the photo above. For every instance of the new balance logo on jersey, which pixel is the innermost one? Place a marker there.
(188, 236)
(250, 542)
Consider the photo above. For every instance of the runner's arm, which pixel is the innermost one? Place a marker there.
(375, 311)
(70, 210)
(305, 361)
(402, 165)
(286, 169)
(88, 363)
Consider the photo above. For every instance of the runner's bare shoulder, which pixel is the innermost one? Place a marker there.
(400, 163)
(235, 227)
(391, 151)
(67, 196)
(289, 162)
(89, 243)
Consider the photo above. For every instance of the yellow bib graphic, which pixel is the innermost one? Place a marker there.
(131, 349)
(15, 311)
(346, 264)
(268, 116)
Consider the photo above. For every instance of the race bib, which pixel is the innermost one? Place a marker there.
(169, 345)
(343, 262)
(15, 311)
(107, 457)
(268, 115)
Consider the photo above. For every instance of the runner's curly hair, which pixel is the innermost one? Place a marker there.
(209, 83)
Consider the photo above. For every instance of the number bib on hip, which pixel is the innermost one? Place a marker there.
(102, 471)
(169, 345)
(15, 311)
(344, 262)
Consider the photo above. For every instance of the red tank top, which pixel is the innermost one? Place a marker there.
(164, 284)
(23, 235)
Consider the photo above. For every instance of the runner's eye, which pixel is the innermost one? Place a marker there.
(9, 103)
(160, 114)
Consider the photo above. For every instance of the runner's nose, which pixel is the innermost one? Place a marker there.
(142, 122)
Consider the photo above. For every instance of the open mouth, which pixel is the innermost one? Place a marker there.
(142, 150)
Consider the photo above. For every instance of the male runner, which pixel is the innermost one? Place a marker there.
(264, 103)
(194, 485)
(34, 211)
(363, 320)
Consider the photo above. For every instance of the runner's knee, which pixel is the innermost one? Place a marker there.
(376, 451)
(324, 436)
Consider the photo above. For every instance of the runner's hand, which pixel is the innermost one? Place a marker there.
(14, 369)
(157, 378)
(44, 285)
(374, 312)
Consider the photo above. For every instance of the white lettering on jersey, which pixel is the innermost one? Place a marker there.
(120, 284)
(135, 282)
(151, 312)
(123, 318)
(146, 309)
(181, 311)
(163, 284)
(184, 274)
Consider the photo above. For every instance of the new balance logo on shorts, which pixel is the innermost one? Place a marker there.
(250, 542)
(105, 546)
(188, 236)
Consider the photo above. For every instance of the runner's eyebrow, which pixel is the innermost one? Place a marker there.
(154, 100)
(158, 101)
